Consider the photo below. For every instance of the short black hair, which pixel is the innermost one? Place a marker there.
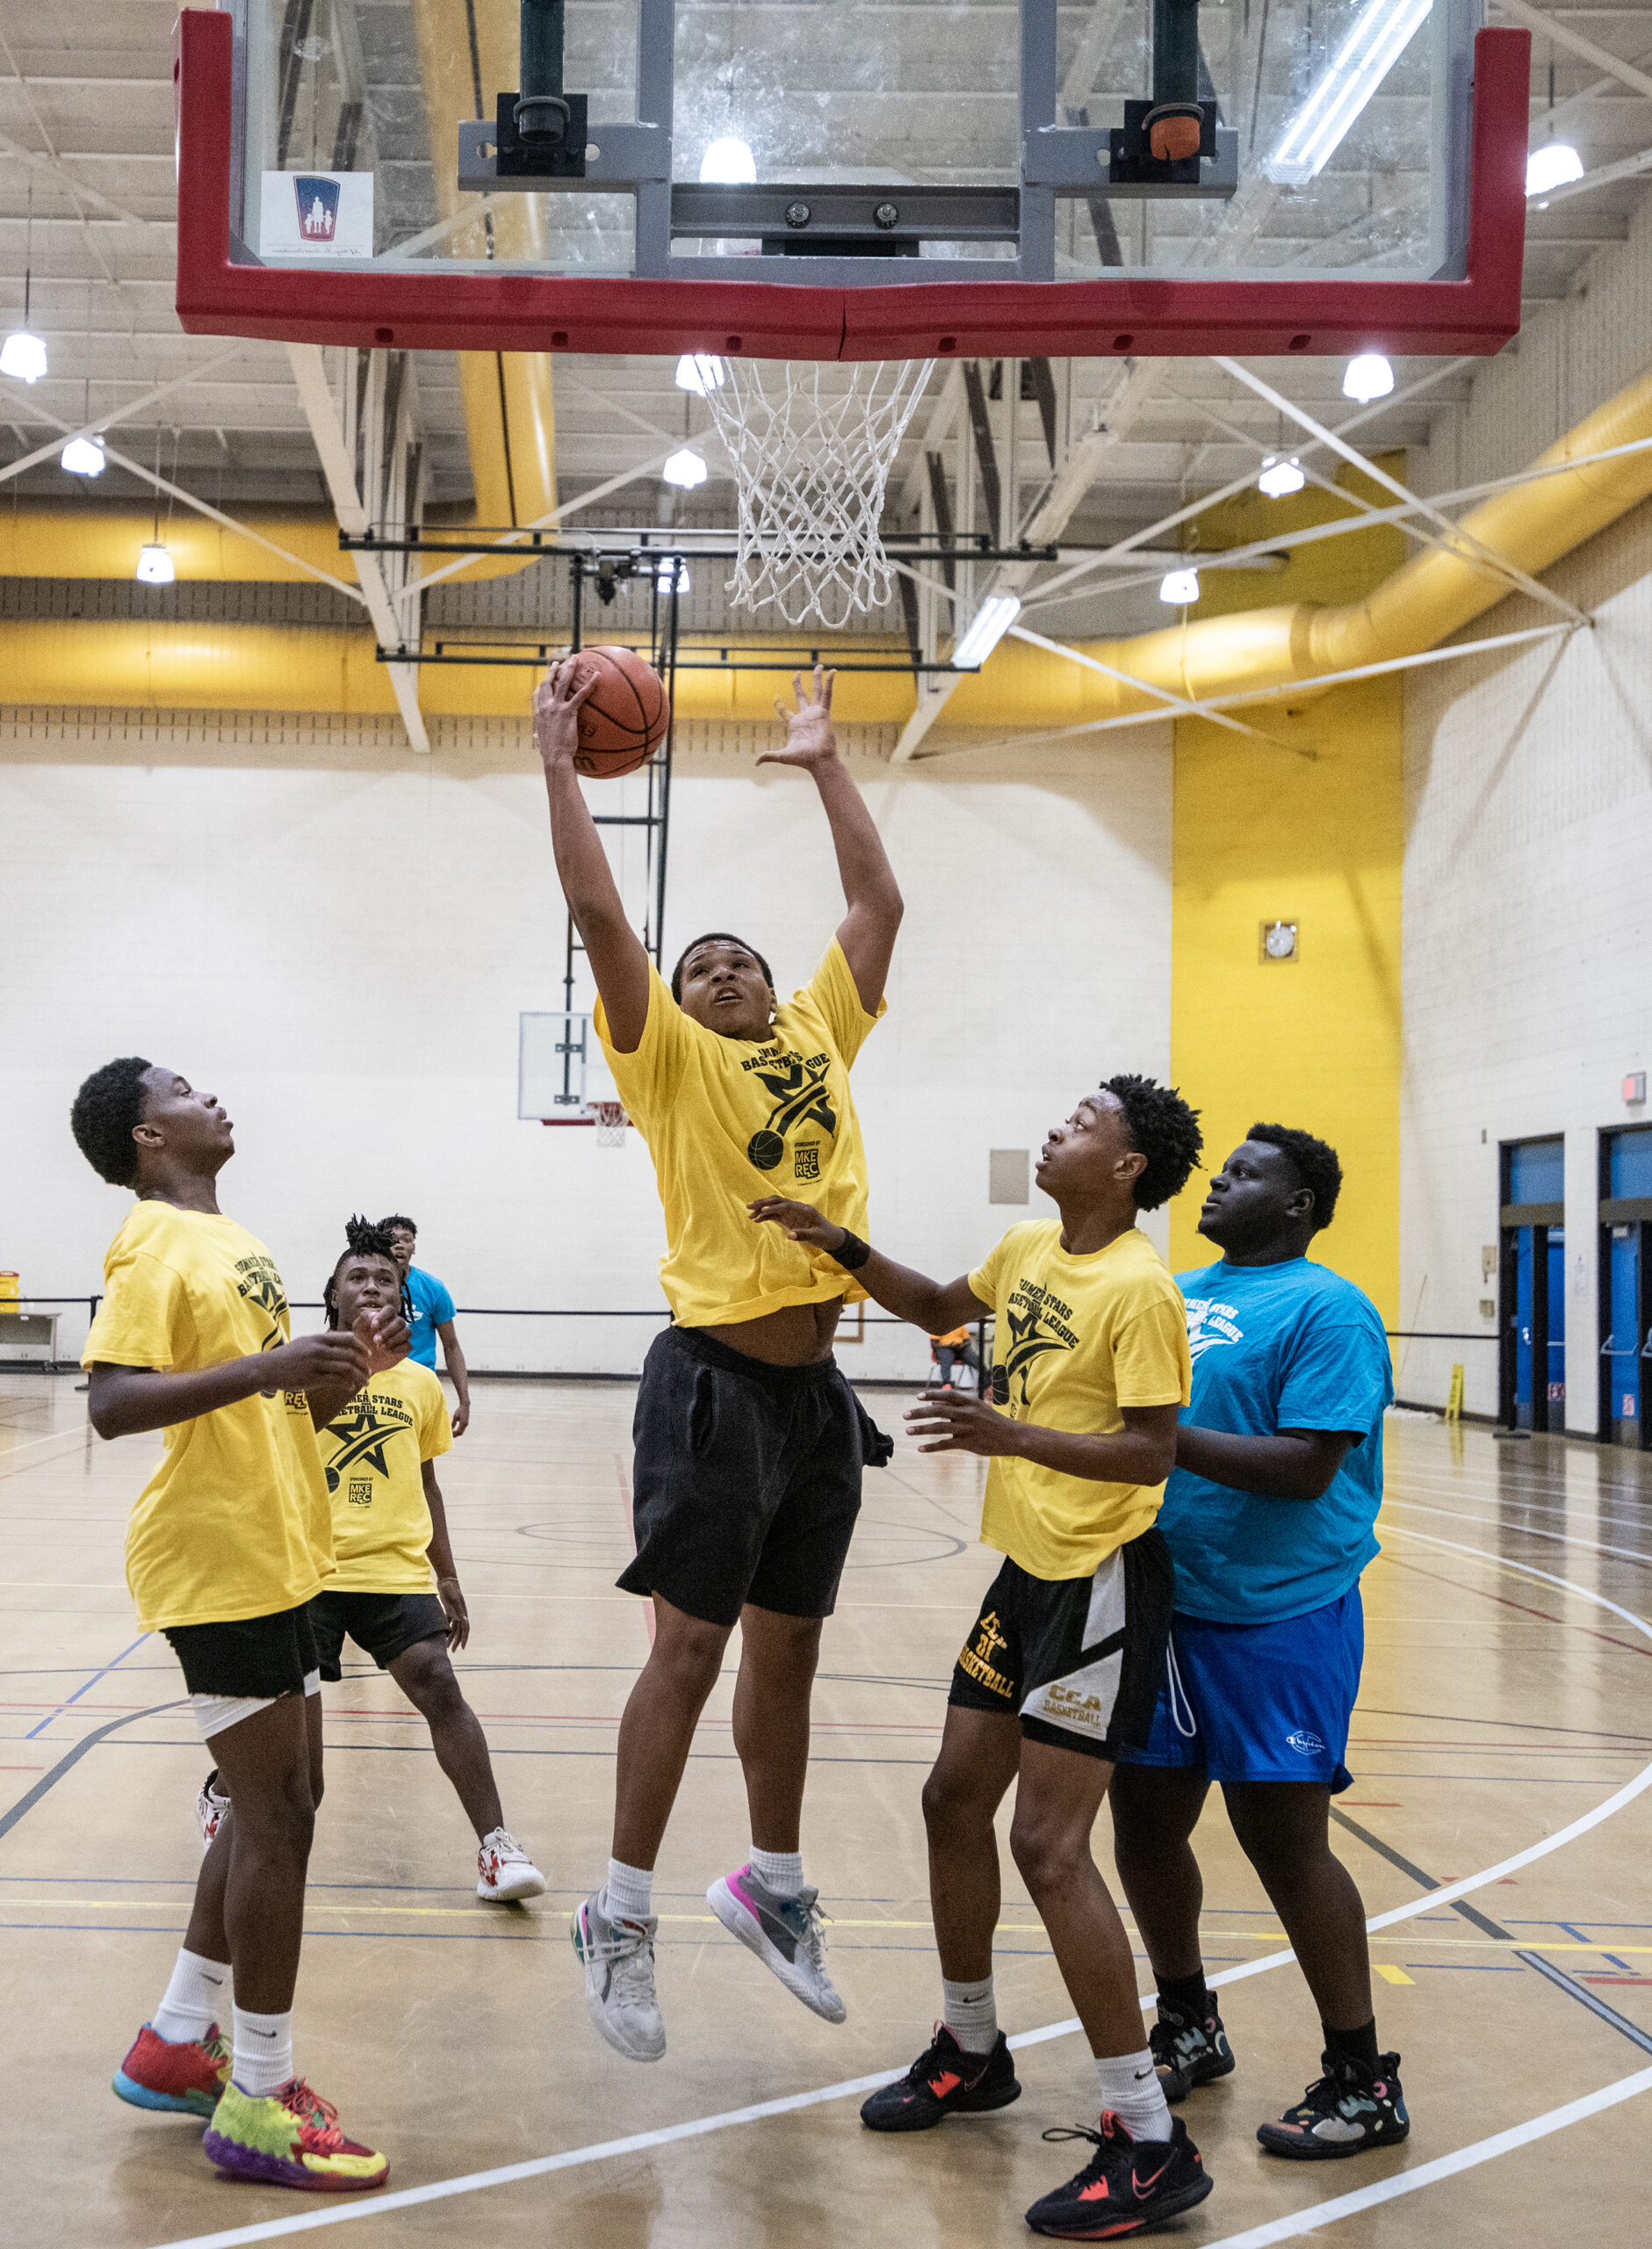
(1163, 1129)
(722, 938)
(107, 1109)
(1315, 1162)
(395, 1224)
(363, 1239)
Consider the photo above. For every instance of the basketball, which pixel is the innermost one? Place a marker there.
(622, 721)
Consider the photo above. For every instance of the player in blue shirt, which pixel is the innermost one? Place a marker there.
(1268, 1514)
(432, 1316)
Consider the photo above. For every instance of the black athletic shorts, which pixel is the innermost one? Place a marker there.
(383, 1625)
(747, 1479)
(261, 1657)
(1079, 1659)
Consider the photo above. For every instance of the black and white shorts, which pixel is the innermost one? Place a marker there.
(1078, 1660)
(235, 1669)
(747, 1479)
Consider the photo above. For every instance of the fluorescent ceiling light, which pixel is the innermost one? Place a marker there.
(1179, 587)
(1552, 166)
(986, 628)
(82, 457)
(22, 356)
(685, 468)
(699, 372)
(672, 576)
(1378, 38)
(1367, 377)
(1280, 478)
(154, 566)
(730, 162)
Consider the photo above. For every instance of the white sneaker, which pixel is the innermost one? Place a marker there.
(619, 1958)
(786, 1934)
(210, 1807)
(504, 1870)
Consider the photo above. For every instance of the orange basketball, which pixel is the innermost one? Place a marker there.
(623, 720)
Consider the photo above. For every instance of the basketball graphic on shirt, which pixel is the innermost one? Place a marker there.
(764, 1150)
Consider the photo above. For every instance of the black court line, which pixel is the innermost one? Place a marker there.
(1472, 1914)
(49, 1779)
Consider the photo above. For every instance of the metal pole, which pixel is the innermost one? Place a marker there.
(1175, 50)
(541, 112)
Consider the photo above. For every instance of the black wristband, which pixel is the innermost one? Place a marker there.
(851, 1253)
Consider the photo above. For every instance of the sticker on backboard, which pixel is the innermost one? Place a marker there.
(316, 214)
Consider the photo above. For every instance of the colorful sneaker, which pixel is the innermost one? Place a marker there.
(184, 2076)
(786, 1934)
(1346, 2111)
(619, 1959)
(945, 2081)
(504, 1872)
(1131, 2186)
(210, 1807)
(1189, 2050)
(289, 2138)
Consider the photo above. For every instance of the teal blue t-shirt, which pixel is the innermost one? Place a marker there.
(432, 1308)
(1278, 1347)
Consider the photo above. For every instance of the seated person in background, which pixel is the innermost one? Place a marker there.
(432, 1314)
(1061, 1667)
(395, 1591)
(1268, 1516)
(955, 1349)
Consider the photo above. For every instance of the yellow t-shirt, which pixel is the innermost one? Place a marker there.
(729, 1119)
(234, 1521)
(372, 1455)
(1076, 1339)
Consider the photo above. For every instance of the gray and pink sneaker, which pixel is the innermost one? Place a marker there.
(786, 1934)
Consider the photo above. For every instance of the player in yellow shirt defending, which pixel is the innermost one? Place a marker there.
(228, 1543)
(750, 1444)
(395, 1591)
(1062, 1667)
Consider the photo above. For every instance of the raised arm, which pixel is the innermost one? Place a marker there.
(328, 1367)
(615, 953)
(867, 932)
(932, 1305)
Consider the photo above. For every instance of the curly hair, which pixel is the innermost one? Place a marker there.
(717, 936)
(1163, 1129)
(363, 1239)
(107, 1109)
(1315, 1162)
(396, 1223)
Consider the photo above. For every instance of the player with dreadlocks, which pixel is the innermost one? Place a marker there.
(395, 1591)
(1061, 1668)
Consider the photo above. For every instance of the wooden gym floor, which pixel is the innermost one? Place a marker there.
(1505, 1701)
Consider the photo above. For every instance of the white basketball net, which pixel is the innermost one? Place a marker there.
(812, 456)
(611, 1121)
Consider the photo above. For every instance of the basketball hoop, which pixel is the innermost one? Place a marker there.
(810, 463)
(611, 1121)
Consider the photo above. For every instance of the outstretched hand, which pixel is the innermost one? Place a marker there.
(800, 1221)
(954, 1422)
(809, 740)
(556, 709)
(385, 1337)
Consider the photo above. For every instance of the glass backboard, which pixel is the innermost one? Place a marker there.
(821, 178)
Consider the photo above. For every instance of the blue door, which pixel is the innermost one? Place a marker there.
(1525, 1322)
(1556, 1324)
(1622, 1349)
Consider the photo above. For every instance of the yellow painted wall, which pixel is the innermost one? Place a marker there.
(1306, 825)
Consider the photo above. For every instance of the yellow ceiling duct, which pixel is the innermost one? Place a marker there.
(94, 540)
(509, 414)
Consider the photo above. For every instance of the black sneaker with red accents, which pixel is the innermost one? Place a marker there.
(945, 2081)
(1189, 2049)
(1131, 2186)
(1351, 2109)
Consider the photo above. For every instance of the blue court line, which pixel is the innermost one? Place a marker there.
(86, 1689)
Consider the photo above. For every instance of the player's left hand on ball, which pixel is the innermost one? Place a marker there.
(556, 708)
(801, 1221)
(809, 740)
(388, 1337)
(957, 1423)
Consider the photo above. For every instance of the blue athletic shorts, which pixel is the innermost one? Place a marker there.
(1259, 1701)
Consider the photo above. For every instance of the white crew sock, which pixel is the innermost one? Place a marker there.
(263, 2052)
(628, 1894)
(780, 1872)
(971, 2013)
(1130, 2088)
(197, 1996)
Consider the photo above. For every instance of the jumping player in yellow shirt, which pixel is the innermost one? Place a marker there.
(1061, 1667)
(228, 1545)
(395, 1591)
(750, 1444)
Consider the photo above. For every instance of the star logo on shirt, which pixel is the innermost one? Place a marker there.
(1028, 1340)
(1210, 1325)
(799, 1095)
(362, 1437)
